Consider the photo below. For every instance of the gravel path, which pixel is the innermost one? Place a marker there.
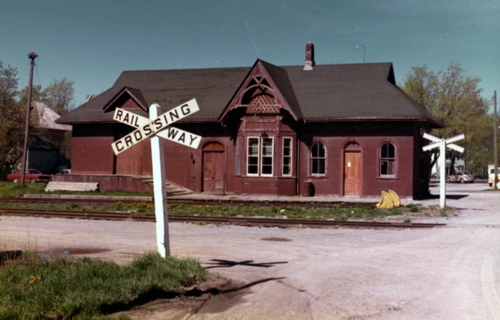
(442, 273)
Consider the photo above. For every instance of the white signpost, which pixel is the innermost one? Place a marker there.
(157, 126)
(442, 144)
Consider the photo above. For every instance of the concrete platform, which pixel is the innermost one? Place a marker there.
(277, 199)
(231, 198)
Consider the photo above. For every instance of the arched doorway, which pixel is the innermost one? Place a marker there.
(352, 169)
(214, 167)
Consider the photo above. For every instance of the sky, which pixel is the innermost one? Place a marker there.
(91, 42)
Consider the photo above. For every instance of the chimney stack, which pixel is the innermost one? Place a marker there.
(309, 63)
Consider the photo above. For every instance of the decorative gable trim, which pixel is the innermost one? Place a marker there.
(123, 98)
(259, 94)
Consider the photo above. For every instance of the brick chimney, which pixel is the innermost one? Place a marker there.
(309, 63)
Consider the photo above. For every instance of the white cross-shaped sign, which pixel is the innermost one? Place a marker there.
(158, 126)
(442, 144)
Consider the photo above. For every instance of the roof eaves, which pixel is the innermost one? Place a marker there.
(371, 119)
(426, 114)
(135, 94)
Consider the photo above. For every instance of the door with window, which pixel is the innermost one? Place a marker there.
(352, 173)
(214, 167)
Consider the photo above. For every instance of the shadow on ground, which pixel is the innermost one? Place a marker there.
(156, 293)
(448, 196)
(217, 263)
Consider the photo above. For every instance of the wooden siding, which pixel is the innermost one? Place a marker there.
(369, 138)
(91, 151)
(184, 166)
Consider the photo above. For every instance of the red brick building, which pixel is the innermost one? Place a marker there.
(268, 129)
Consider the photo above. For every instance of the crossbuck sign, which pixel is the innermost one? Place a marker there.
(154, 127)
(158, 126)
(442, 144)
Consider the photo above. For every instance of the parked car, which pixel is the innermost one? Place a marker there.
(491, 175)
(461, 177)
(31, 175)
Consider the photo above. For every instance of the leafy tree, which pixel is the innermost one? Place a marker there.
(11, 119)
(37, 94)
(66, 145)
(59, 96)
(453, 98)
(480, 153)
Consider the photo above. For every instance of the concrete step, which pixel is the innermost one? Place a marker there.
(172, 188)
(71, 186)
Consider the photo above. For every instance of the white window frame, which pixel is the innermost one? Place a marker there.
(266, 156)
(260, 157)
(248, 157)
(290, 156)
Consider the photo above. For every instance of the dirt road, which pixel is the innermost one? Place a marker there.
(443, 273)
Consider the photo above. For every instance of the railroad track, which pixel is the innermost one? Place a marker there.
(230, 202)
(244, 221)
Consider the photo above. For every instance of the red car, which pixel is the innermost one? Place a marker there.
(31, 175)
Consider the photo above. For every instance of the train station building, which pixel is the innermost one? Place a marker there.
(339, 129)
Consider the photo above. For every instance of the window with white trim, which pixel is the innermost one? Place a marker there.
(318, 159)
(387, 160)
(287, 157)
(260, 156)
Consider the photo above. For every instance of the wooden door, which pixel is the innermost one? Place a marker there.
(129, 161)
(352, 174)
(214, 167)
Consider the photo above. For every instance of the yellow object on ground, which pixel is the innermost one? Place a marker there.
(395, 198)
(386, 201)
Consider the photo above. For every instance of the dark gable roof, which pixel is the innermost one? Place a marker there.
(353, 91)
(212, 88)
(282, 81)
(329, 92)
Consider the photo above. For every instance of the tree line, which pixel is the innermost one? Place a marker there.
(13, 102)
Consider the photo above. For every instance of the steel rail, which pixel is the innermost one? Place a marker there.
(244, 221)
(229, 202)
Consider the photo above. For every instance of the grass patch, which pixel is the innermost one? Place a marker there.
(34, 288)
(334, 212)
(12, 190)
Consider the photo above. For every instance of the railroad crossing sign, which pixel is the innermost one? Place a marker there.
(155, 127)
(149, 127)
(442, 144)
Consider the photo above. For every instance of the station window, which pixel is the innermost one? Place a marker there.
(318, 159)
(260, 156)
(287, 157)
(387, 160)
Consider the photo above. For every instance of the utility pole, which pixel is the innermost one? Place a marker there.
(32, 56)
(495, 140)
